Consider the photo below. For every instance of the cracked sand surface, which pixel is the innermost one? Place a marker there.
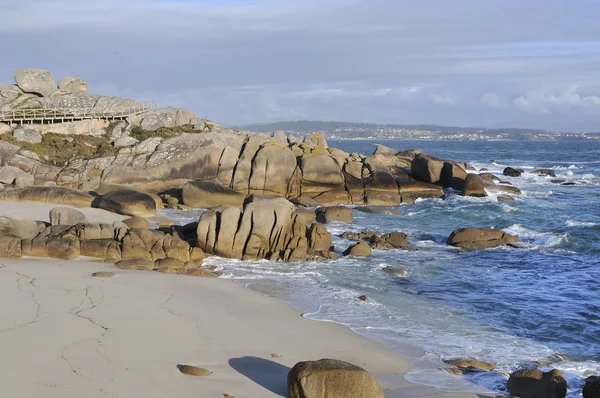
(64, 333)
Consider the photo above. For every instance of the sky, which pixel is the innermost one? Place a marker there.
(488, 63)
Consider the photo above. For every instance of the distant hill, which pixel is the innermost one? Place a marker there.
(313, 126)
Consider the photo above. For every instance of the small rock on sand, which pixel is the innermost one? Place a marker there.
(193, 370)
(103, 274)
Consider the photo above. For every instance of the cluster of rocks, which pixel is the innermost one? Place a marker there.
(527, 382)
(131, 243)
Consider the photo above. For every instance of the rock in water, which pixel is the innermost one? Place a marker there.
(469, 364)
(73, 85)
(533, 383)
(329, 214)
(67, 216)
(510, 172)
(545, 172)
(480, 238)
(427, 168)
(331, 378)
(592, 387)
(36, 81)
(359, 249)
(474, 186)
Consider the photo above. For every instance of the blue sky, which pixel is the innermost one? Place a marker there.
(495, 63)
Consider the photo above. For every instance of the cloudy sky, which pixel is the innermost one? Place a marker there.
(493, 63)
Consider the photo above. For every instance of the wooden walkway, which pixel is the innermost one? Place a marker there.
(51, 116)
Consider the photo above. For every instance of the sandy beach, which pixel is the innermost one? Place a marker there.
(66, 333)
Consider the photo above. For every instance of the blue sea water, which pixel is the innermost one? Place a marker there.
(537, 304)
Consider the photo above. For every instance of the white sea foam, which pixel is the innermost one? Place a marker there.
(573, 223)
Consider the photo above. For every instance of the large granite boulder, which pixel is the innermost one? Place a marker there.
(322, 173)
(453, 175)
(8, 175)
(73, 85)
(8, 94)
(207, 195)
(591, 389)
(166, 117)
(331, 378)
(243, 168)
(36, 81)
(53, 195)
(27, 135)
(329, 214)
(67, 216)
(359, 249)
(272, 170)
(19, 227)
(315, 140)
(474, 186)
(7, 152)
(320, 242)
(268, 228)
(480, 238)
(10, 246)
(533, 383)
(128, 202)
(427, 168)
(410, 191)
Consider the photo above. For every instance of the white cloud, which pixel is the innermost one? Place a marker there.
(547, 101)
(443, 99)
(492, 100)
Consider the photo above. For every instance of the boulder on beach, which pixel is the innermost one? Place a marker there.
(66, 216)
(49, 195)
(480, 238)
(128, 202)
(10, 246)
(331, 378)
(533, 383)
(137, 222)
(21, 228)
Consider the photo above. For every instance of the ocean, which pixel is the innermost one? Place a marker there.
(537, 304)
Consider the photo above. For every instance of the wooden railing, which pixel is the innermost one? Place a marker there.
(58, 115)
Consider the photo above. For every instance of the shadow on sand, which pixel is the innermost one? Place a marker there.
(266, 373)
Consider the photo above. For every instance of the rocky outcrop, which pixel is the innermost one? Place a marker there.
(480, 238)
(19, 228)
(330, 378)
(36, 81)
(166, 117)
(8, 175)
(533, 383)
(453, 175)
(410, 191)
(392, 240)
(265, 229)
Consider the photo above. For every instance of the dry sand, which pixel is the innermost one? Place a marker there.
(65, 333)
